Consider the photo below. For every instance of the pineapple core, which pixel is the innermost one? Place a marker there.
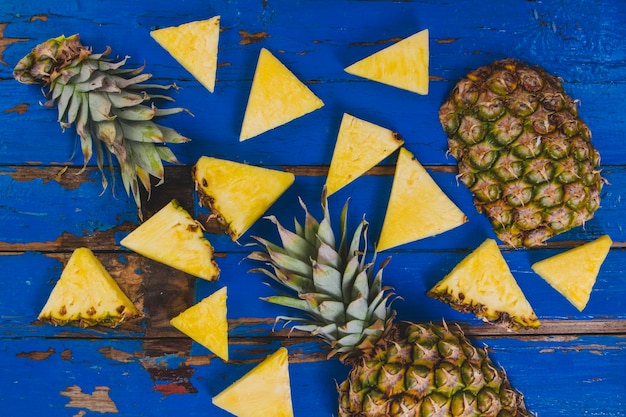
(87, 295)
(573, 273)
(402, 65)
(194, 46)
(262, 392)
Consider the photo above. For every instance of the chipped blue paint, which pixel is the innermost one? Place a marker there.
(560, 375)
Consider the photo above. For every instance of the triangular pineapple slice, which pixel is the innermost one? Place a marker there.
(264, 391)
(573, 273)
(205, 322)
(171, 236)
(87, 295)
(194, 46)
(360, 146)
(238, 194)
(403, 64)
(482, 284)
(277, 96)
(417, 207)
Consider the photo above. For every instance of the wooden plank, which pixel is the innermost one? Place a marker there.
(48, 206)
(36, 203)
(48, 375)
(335, 40)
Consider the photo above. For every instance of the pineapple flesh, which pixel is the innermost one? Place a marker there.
(573, 273)
(360, 146)
(398, 369)
(483, 284)
(110, 107)
(417, 207)
(206, 323)
(265, 391)
(523, 151)
(403, 65)
(86, 295)
(276, 97)
(172, 237)
(238, 194)
(194, 46)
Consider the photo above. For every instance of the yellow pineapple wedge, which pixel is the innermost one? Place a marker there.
(172, 237)
(277, 97)
(86, 295)
(573, 273)
(403, 64)
(417, 207)
(194, 46)
(483, 284)
(206, 323)
(263, 392)
(238, 194)
(360, 146)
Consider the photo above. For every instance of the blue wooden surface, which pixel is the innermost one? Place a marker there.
(573, 365)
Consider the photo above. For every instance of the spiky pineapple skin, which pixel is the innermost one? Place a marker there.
(428, 370)
(523, 151)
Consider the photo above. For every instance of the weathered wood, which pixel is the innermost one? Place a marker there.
(49, 205)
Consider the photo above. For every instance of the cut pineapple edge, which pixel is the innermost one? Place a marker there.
(206, 323)
(573, 273)
(360, 146)
(194, 45)
(403, 65)
(276, 97)
(263, 391)
(86, 295)
(172, 237)
(238, 194)
(417, 206)
(483, 284)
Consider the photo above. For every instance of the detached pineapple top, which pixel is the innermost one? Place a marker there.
(107, 104)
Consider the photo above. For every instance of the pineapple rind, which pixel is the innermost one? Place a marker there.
(276, 97)
(172, 237)
(86, 295)
(206, 323)
(403, 65)
(573, 273)
(483, 284)
(238, 194)
(194, 46)
(360, 146)
(523, 151)
(264, 391)
(417, 207)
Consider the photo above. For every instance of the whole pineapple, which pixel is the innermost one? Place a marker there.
(107, 102)
(398, 369)
(523, 151)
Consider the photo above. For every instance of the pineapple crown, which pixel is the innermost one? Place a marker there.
(106, 102)
(344, 301)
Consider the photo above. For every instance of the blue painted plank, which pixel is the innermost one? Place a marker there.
(317, 40)
(42, 376)
(147, 362)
